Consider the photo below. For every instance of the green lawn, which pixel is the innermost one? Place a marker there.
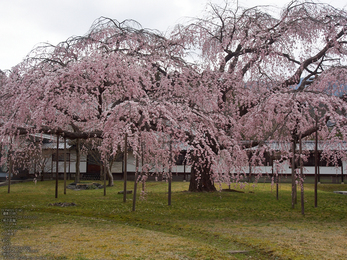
(196, 225)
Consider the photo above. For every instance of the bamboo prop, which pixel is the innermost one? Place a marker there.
(65, 165)
(125, 167)
(56, 169)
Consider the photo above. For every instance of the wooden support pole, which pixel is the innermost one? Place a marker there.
(125, 167)
(65, 165)
(342, 182)
(301, 179)
(35, 168)
(169, 196)
(78, 161)
(272, 170)
(170, 174)
(316, 167)
(57, 169)
(277, 177)
(250, 171)
(42, 174)
(104, 172)
(10, 169)
(293, 173)
(142, 173)
(70, 167)
(10, 172)
(51, 178)
(135, 182)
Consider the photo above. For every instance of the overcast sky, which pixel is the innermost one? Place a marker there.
(25, 23)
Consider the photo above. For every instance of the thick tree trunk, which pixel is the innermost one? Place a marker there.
(200, 179)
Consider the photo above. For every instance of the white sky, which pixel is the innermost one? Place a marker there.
(25, 23)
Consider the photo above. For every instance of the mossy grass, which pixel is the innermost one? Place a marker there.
(195, 226)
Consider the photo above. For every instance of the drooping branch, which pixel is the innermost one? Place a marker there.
(57, 131)
(295, 78)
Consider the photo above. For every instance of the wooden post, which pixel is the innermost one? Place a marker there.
(250, 170)
(125, 167)
(104, 173)
(272, 168)
(142, 173)
(64, 165)
(35, 168)
(42, 174)
(293, 172)
(170, 174)
(78, 160)
(184, 169)
(277, 177)
(316, 168)
(135, 182)
(301, 179)
(9, 172)
(169, 196)
(57, 169)
(342, 182)
(70, 167)
(51, 178)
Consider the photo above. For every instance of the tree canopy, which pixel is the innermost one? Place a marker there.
(260, 75)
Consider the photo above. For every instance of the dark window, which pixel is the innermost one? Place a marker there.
(119, 157)
(60, 156)
(181, 158)
(94, 158)
(264, 161)
(310, 160)
(321, 161)
(324, 162)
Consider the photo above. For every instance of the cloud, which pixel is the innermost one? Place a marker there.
(26, 23)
